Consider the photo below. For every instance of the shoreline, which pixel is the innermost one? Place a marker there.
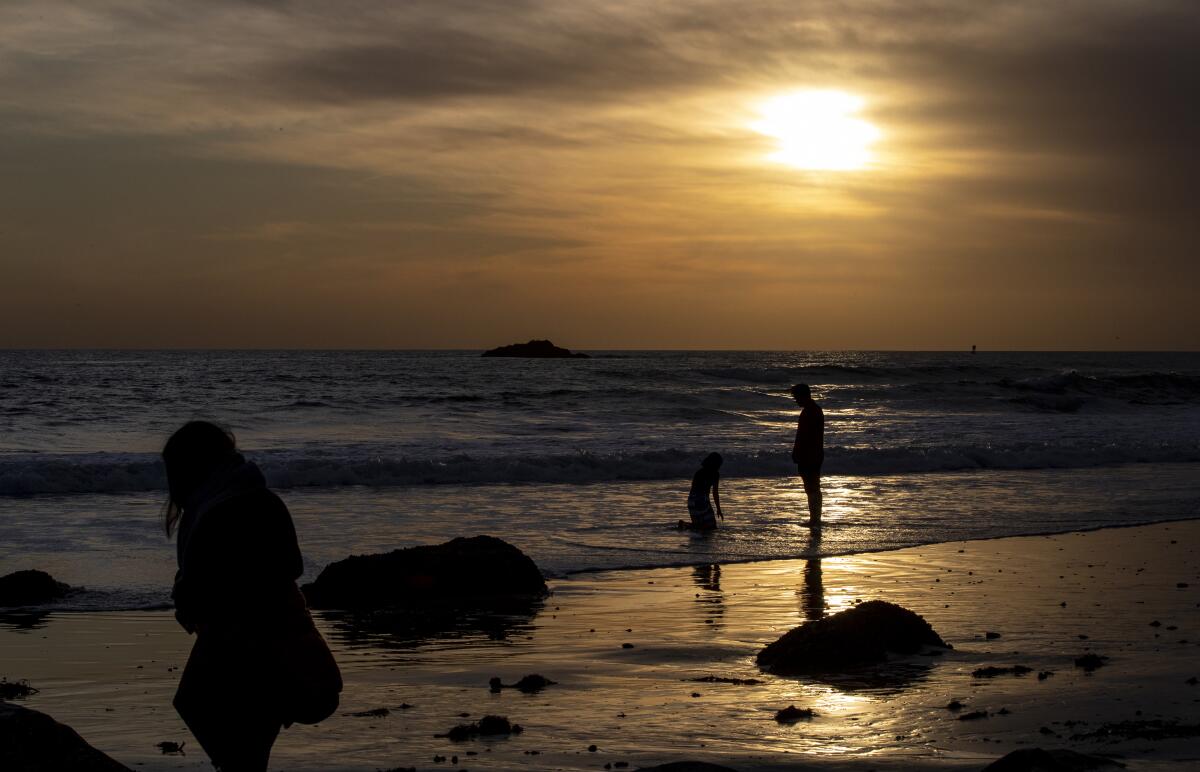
(110, 675)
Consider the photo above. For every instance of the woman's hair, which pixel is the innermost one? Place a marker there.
(190, 456)
(712, 461)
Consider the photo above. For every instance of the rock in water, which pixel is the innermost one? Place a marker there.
(534, 349)
(1038, 760)
(26, 588)
(857, 637)
(31, 741)
(464, 570)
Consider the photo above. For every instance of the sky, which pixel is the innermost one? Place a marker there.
(469, 173)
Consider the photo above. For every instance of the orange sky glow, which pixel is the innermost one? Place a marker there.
(759, 175)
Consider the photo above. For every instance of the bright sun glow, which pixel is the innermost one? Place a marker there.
(818, 130)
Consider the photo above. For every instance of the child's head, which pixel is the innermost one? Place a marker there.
(712, 461)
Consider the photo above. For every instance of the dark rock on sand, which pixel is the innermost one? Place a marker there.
(530, 684)
(973, 715)
(478, 584)
(992, 671)
(488, 725)
(863, 635)
(29, 588)
(791, 714)
(469, 570)
(31, 741)
(171, 748)
(12, 690)
(1038, 760)
(1090, 662)
(535, 349)
(687, 766)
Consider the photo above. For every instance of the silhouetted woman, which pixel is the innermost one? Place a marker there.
(258, 663)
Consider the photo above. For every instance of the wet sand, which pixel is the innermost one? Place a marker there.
(1051, 599)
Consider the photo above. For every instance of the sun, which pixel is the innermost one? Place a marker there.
(818, 130)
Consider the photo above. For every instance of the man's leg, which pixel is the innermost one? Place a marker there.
(812, 489)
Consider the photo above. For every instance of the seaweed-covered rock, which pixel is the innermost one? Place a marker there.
(1039, 760)
(31, 741)
(27, 588)
(857, 637)
(534, 349)
(469, 571)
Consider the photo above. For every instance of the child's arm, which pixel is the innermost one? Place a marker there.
(717, 496)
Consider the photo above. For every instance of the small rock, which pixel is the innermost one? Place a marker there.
(11, 690)
(954, 705)
(973, 715)
(626, 645)
(791, 714)
(991, 636)
(1090, 662)
(992, 671)
(171, 748)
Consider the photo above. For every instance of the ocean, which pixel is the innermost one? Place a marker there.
(585, 463)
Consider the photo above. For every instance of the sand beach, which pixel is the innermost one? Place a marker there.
(1128, 595)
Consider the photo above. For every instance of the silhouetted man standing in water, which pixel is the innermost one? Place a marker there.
(808, 453)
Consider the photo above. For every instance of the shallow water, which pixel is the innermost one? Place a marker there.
(112, 544)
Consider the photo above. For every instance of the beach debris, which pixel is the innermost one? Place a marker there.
(712, 679)
(791, 714)
(30, 587)
(32, 740)
(973, 715)
(992, 671)
(488, 725)
(530, 684)
(1090, 662)
(1156, 623)
(592, 749)
(1043, 675)
(475, 569)
(170, 748)
(1058, 760)
(372, 713)
(991, 636)
(12, 690)
(534, 349)
(954, 705)
(626, 645)
(863, 635)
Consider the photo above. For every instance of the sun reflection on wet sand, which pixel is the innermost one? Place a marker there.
(1050, 599)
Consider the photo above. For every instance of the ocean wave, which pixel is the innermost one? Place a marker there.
(110, 473)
